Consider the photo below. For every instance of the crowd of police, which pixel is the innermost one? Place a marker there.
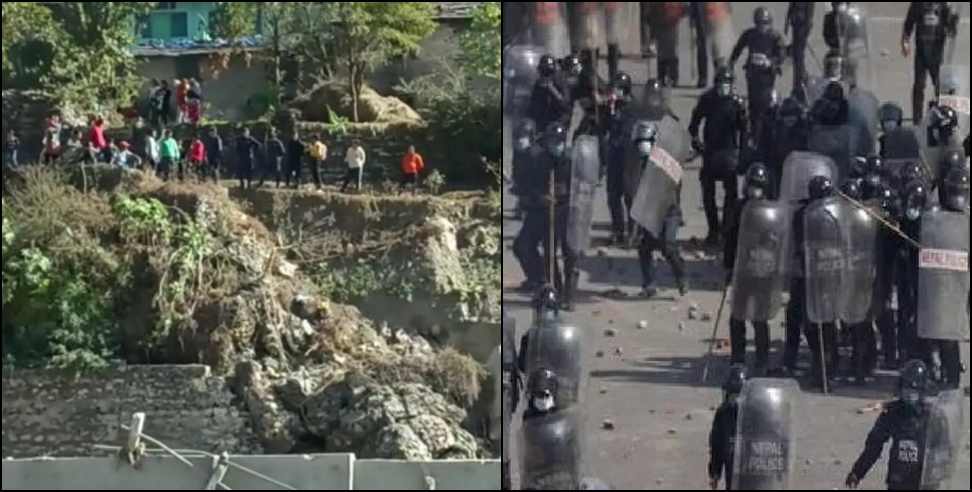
(862, 216)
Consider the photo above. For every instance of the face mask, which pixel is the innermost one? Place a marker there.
(889, 125)
(523, 143)
(618, 93)
(644, 148)
(913, 213)
(790, 121)
(763, 28)
(911, 397)
(557, 150)
(543, 404)
(754, 193)
(725, 89)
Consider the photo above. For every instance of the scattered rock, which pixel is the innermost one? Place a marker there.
(603, 391)
(610, 333)
(286, 269)
(874, 407)
(672, 432)
(651, 412)
(601, 252)
(599, 354)
(809, 462)
(595, 313)
(610, 321)
(681, 326)
(688, 417)
(607, 425)
(659, 482)
(694, 312)
(706, 317)
(618, 352)
(643, 325)
(838, 463)
(712, 409)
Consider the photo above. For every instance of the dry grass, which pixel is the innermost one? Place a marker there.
(46, 206)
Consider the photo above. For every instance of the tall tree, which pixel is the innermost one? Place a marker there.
(368, 34)
(481, 43)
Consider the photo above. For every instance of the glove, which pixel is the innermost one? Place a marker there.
(905, 47)
(852, 481)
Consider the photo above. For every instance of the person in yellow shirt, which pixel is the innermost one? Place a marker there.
(318, 152)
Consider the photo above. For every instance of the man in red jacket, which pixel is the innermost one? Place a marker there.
(412, 165)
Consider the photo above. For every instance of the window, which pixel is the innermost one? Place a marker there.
(180, 25)
(145, 26)
(166, 6)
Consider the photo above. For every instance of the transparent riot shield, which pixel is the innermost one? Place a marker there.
(943, 276)
(765, 436)
(759, 275)
(944, 435)
(556, 345)
(585, 174)
(548, 24)
(825, 259)
(551, 450)
(860, 291)
(658, 190)
(842, 143)
(798, 169)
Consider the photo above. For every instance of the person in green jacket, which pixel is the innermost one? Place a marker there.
(170, 156)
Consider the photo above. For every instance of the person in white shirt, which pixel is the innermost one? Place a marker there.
(355, 159)
(125, 158)
(152, 151)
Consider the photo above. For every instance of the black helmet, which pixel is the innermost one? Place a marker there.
(837, 5)
(735, 381)
(820, 187)
(912, 172)
(654, 95)
(545, 300)
(622, 81)
(914, 376)
(871, 186)
(915, 200)
(890, 112)
(724, 75)
(645, 131)
(834, 66)
(952, 159)
(572, 64)
(954, 193)
(888, 201)
(858, 167)
(762, 16)
(875, 165)
(852, 188)
(791, 106)
(547, 66)
(757, 178)
(543, 384)
(947, 120)
(555, 132)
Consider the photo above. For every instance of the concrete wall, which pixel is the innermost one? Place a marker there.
(51, 413)
(318, 472)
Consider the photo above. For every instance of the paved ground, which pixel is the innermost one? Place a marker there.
(651, 391)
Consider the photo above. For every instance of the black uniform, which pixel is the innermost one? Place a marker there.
(799, 17)
(760, 80)
(697, 16)
(618, 203)
(536, 222)
(246, 150)
(931, 23)
(589, 93)
(737, 327)
(667, 243)
(295, 156)
(214, 154)
(551, 101)
(275, 151)
(905, 428)
(908, 292)
(722, 442)
(725, 133)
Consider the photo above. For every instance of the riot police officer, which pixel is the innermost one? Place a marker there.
(931, 23)
(722, 436)
(788, 131)
(554, 158)
(725, 133)
(799, 17)
(756, 188)
(914, 198)
(549, 460)
(619, 117)
(524, 136)
(832, 109)
(890, 117)
(902, 422)
(765, 46)
(551, 99)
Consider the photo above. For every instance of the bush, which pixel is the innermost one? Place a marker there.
(142, 221)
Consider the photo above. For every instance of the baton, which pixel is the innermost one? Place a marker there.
(880, 219)
(715, 330)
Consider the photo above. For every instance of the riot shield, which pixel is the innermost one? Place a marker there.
(842, 143)
(825, 259)
(551, 447)
(765, 438)
(860, 289)
(557, 346)
(658, 187)
(671, 138)
(584, 176)
(855, 47)
(760, 273)
(519, 75)
(862, 114)
(955, 92)
(944, 435)
(943, 276)
(586, 25)
(549, 27)
(798, 169)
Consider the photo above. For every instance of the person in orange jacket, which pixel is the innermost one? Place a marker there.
(412, 166)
